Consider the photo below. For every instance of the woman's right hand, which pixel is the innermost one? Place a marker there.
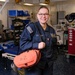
(41, 45)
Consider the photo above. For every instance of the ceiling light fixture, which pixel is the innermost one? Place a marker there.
(2, 0)
(43, 4)
(28, 4)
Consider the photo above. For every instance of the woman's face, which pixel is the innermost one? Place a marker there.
(43, 15)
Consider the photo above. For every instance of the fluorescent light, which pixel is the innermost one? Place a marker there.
(3, 0)
(43, 4)
(29, 4)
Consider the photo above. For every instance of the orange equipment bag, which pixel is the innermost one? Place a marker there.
(27, 58)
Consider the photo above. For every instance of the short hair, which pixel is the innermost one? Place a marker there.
(43, 7)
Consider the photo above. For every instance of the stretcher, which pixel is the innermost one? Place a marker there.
(9, 51)
(8, 55)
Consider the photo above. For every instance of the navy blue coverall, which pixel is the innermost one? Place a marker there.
(32, 35)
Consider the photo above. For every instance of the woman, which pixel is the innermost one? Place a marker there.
(40, 35)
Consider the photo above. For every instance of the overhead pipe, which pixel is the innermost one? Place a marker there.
(4, 5)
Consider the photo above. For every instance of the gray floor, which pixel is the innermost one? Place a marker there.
(62, 66)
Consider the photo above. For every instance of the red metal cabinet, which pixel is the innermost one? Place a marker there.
(71, 40)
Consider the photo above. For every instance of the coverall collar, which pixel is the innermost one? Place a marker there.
(40, 27)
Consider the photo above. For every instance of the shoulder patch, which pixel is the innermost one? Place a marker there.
(29, 29)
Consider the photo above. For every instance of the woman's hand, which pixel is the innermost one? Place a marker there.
(41, 45)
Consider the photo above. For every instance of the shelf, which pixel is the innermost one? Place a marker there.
(18, 19)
